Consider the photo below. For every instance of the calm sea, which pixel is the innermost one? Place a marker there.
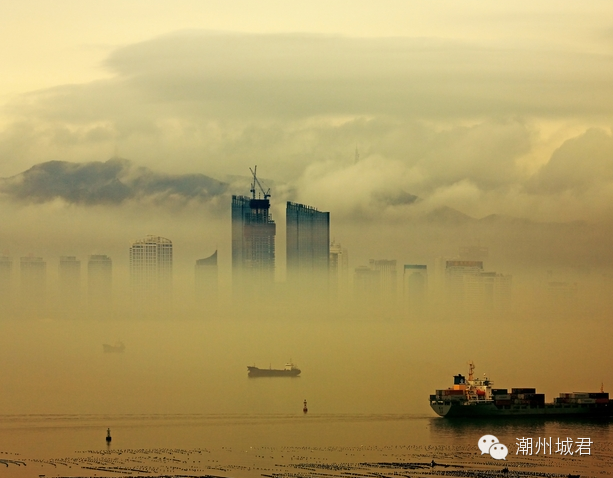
(179, 403)
(294, 445)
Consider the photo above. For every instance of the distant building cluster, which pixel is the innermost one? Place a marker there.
(34, 294)
(317, 271)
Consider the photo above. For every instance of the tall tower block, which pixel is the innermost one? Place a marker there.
(99, 284)
(6, 282)
(206, 277)
(33, 283)
(307, 243)
(151, 272)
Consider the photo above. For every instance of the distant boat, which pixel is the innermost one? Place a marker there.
(119, 347)
(290, 370)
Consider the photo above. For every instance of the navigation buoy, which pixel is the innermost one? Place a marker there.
(305, 409)
(108, 435)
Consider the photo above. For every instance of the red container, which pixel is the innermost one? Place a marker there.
(453, 392)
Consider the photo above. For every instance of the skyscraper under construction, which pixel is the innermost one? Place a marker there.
(253, 239)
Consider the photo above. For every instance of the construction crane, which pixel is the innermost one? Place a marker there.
(255, 181)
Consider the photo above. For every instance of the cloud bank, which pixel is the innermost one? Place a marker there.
(518, 128)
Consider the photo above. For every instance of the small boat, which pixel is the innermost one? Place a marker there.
(119, 347)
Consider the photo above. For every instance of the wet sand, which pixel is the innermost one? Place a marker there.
(301, 462)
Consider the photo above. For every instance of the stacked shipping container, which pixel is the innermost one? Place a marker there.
(583, 397)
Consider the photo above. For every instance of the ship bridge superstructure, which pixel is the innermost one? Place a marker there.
(478, 388)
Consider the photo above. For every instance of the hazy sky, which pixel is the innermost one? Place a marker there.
(483, 107)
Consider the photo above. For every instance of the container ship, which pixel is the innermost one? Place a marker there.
(290, 370)
(475, 397)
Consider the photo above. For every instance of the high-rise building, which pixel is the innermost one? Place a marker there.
(6, 282)
(472, 291)
(367, 284)
(457, 279)
(6, 271)
(474, 253)
(387, 274)
(562, 291)
(376, 282)
(253, 240)
(487, 292)
(339, 268)
(307, 243)
(438, 275)
(99, 283)
(33, 283)
(69, 281)
(463, 286)
(207, 280)
(151, 272)
(415, 287)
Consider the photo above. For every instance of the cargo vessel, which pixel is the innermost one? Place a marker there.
(290, 370)
(475, 397)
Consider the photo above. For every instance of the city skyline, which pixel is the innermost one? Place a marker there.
(119, 139)
(460, 282)
(449, 220)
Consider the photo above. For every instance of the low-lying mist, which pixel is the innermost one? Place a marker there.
(372, 365)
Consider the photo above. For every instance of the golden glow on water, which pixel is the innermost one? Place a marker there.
(252, 445)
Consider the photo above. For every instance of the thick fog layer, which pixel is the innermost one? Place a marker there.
(468, 173)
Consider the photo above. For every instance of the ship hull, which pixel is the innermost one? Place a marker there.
(271, 372)
(450, 409)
